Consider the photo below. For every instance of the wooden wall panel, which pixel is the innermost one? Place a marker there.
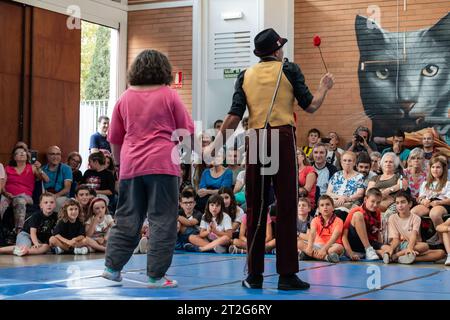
(10, 75)
(55, 83)
(334, 21)
(169, 31)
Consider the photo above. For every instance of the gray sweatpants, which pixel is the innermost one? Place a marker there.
(152, 196)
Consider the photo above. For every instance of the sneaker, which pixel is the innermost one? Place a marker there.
(332, 257)
(301, 256)
(112, 275)
(191, 248)
(82, 250)
(447, 262)
(220, 249)
(253, 281)
(434, 240)
(406, 259)
(371, 254)
(143, 245)
(20, 251)
(386, 258)
(292, 282)
(163, 282)
(233, 249)
(57, 250)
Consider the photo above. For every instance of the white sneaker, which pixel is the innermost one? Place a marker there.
(406, 259)
(161, 283)
(57, 250)
(371, 254)
(20, 251)
(447, 262)
(143, 245)
(82, 250)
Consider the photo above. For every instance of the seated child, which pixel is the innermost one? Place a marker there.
(239, 245)
(142, 246)
(98, 224)
(405, 244)
(69, 232)
(303, 222)
(232, 209)
(188, 218)
(37, 229)
(361, 235)
(215, 228)
(84, 195)
(325, 241)
(444, 229)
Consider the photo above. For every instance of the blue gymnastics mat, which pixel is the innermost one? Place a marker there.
(205, 276)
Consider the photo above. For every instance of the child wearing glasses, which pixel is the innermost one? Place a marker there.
(188, 217)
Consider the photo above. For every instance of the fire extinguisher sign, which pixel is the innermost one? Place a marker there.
(177, 80)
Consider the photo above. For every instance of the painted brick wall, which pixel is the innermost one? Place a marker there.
(334, 21)
(169, 31)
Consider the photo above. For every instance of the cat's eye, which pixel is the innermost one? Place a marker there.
(383, 74)
(430, 70)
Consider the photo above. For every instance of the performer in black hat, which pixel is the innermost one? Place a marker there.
(268, 90)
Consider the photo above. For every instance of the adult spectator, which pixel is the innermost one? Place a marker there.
(334, 153)
(346, 187)
(234, 161)
(375, 159)
(307, 179)
(60, 176)
(428, 145)
(98, 140)
(363, 163)
(398, 147)
(389, 182)
(324, 170)
(415, 173)
(74, 161)
(361, 141)
(212, 180)
(19, 186)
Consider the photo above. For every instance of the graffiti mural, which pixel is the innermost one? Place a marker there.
(404, 77)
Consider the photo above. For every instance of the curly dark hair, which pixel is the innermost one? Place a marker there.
(150, 67)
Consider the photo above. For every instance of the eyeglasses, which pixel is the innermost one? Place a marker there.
(416, 158)
(75, 160)
(375, 160)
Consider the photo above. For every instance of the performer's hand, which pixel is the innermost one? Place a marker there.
(327, 81)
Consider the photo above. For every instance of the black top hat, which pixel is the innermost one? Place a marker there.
(267, 42)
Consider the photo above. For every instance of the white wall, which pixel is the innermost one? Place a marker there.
(212, 94)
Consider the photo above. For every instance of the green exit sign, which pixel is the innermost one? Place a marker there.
(231, 73)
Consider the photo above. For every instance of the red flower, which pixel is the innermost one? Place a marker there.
(317, 41)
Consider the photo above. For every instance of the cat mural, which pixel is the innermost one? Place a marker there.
(405, 77)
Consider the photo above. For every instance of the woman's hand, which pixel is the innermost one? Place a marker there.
(202, 192)
(339, 202)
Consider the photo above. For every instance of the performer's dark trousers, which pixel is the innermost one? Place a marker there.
(285, 183)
